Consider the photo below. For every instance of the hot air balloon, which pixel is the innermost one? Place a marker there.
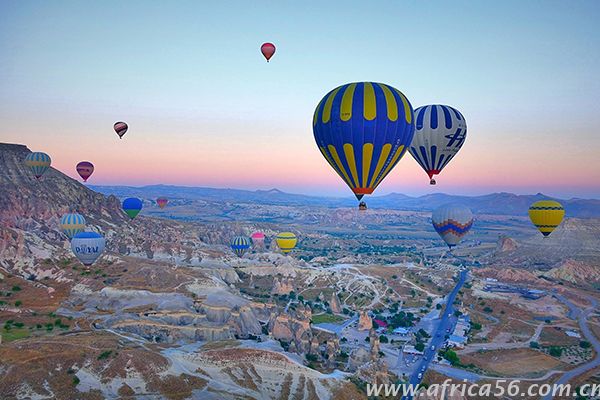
(546, 215)
(85, 169)
(258, 239)
(38, 162)
(121, 128)
(239, 245)
(132, 206)
(162, 202)
(267, 50)
(363, 129)
(72, 224)
(87, 246)
(439, 135)
(452, 222)
(286, 241)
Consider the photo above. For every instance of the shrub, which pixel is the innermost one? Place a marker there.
(104, 354)
(555, 351)
(18, 303)
(16, 288)
(584, 344)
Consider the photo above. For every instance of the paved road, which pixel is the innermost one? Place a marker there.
(581, 316)
(437, 340)
(336, 328)
(461, 374)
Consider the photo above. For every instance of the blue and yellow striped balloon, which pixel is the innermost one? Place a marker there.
(363, 129)
(38, 163)
(72, 224)
(239, 245)
(546, 215)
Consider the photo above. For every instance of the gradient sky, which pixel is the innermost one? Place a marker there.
(205, 109)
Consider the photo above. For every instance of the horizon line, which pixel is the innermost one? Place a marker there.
(340, 197)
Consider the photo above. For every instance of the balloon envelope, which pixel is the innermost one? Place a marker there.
(239, 245)
(38, 163)
(87, 246)
(72, 223)
(286, 241)
(120, 128)
(439, 135)
(85, 169)
(452, 222)
(267, 50)
(162, 202)
(258, 238)
(546, 215)
(132, 206)
(363, 129)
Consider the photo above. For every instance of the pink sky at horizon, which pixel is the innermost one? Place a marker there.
(147, 156)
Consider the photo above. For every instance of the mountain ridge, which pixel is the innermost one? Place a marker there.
(503, 203)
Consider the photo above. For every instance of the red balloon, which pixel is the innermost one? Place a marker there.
(267, 49)
(85, 169)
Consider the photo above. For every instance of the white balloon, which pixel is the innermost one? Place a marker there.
(87, 246)
(452, 222)
(440, 133)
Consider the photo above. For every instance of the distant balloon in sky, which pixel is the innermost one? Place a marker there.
(162, 202)
(239, 245)
(85, 169)
(363, 129)
(286, 241)
(87, 246)
(132, 206)
(121, 128)
(546, 215)
(38, 163)
(72, 223)
(452, 222)
(258, 238)
(267, 49)
(439, 135)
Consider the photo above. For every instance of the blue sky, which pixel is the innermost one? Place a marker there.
(189, 77)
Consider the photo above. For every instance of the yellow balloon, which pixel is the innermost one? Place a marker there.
(546, 215)
(286, 241)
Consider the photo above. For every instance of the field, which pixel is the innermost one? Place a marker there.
(326, 318)
(510, 363)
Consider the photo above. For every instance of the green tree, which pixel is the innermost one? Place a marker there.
(451, 356)
(584, 344)
(555, 351)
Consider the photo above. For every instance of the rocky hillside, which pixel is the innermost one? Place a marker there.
(576, 272)
(575, 239)
(30, 211)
